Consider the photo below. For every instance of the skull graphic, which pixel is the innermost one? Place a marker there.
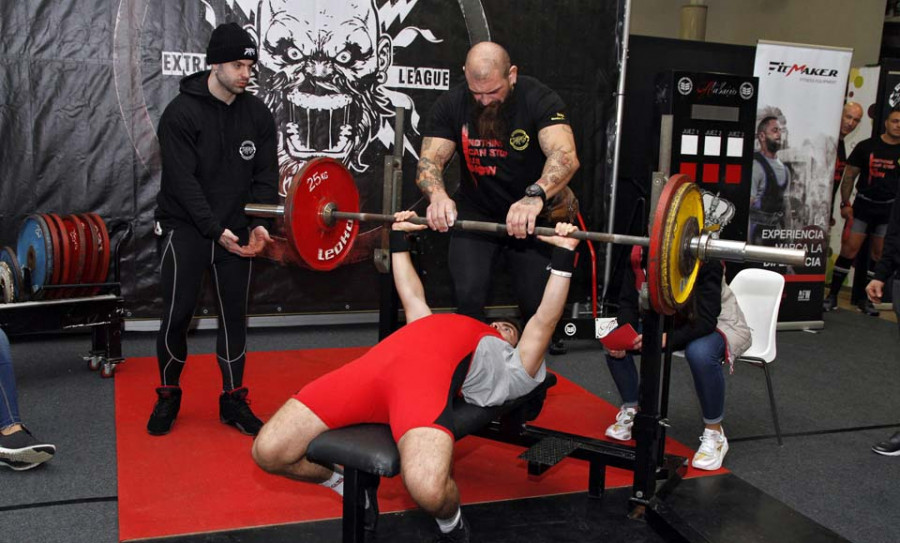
(321, 69)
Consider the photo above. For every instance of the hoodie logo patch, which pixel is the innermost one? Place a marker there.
(247, 150)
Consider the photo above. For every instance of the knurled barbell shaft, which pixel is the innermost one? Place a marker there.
(490, 227)
(705, 246)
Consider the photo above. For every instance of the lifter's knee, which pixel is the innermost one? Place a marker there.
(282, 442)
(426, 455)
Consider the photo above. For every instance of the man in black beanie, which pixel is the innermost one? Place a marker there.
(218, 151)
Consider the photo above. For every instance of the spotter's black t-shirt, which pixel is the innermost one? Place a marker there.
(879, 169)
(494, 173)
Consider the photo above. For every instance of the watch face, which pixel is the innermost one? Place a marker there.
(534, 190)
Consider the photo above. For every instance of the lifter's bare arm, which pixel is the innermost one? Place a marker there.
(409, 285)
(433, 157)
(540, 327)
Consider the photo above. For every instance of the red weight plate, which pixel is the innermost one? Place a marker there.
(76, 250)
(323, 181)
(65, 256)
(95, 243)
(103, 249)
(657, 241)
(90, 253)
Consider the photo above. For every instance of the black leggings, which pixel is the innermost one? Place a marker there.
(186, 256)
(472, 258)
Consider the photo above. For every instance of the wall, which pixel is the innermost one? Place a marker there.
(839, 23)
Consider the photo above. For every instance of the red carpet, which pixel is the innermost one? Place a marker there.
(201, 478)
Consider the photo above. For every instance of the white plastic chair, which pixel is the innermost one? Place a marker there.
(758, 292)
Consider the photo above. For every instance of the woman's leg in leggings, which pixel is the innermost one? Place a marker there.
(471, 267)
(9, 401)
(231, 278)
(625, 375)
(705, 356)
(185, 257)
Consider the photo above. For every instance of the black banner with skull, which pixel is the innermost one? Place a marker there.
(83, 86)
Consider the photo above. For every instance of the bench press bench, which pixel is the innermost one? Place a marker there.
(368, 451)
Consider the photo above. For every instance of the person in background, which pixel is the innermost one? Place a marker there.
(19, 449)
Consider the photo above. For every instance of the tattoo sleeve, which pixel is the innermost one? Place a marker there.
(559, 148)
(434, 156)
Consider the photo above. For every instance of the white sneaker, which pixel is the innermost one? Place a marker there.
(713, 446)
(621, 430)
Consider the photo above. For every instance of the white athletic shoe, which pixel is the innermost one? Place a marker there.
(621, 429)
(713, 446)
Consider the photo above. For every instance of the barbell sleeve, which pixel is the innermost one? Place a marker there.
(738, 251)
(264, 210)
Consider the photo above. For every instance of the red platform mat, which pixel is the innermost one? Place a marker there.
(201, 477)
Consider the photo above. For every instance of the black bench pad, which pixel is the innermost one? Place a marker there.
(370, 448)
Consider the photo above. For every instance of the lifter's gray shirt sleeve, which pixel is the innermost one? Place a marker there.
(496, 374)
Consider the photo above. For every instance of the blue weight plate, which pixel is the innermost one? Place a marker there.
(8, 256)
(35, 251)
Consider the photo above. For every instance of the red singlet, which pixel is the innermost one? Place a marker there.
(408, 380)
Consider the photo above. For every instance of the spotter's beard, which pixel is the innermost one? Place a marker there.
(491, 121)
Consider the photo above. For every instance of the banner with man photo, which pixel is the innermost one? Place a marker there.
(801, 94)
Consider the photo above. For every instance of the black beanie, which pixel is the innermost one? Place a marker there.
(230, 42)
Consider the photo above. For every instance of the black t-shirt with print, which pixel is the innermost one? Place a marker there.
(493, 173)
(879, 168)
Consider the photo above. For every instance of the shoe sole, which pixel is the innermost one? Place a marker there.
(240, 428)
(19, 466)
(618, 438)
(161, 432)
(717, 465)
(34, 454)
(883, 453)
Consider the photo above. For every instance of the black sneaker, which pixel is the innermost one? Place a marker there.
(460, 534)
(868, 308)
(21, 450)
(165, 411)
(889, 447)
(830, 303)
(370, 514)
(234, 409)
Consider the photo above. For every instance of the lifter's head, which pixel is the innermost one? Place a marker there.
(510, 329)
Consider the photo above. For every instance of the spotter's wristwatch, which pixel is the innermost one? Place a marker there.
(535, 190)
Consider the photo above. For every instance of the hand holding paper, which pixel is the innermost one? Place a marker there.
(620, 339)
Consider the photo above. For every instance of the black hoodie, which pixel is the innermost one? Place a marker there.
(216, 157)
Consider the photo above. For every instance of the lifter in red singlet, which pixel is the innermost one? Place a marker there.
(409, 379)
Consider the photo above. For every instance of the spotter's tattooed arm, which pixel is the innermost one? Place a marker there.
(435, 154)
(558, 145)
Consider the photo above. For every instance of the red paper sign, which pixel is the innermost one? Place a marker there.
(620, 339)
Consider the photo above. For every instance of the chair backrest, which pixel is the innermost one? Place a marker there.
(758, 292)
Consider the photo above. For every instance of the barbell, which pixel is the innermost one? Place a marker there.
(321, 222)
